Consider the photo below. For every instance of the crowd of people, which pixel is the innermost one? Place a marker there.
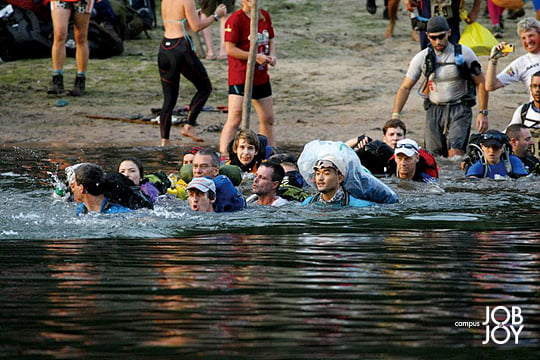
(453, 83)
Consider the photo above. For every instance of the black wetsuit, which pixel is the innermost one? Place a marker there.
(176, 57)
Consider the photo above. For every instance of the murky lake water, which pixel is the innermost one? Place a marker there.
(396, 281)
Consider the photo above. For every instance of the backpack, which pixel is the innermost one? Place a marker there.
(160, 180)
(146, 10)
(474, 153)
(375, 156)
(428, 164)
(23, 35)
(124, 192)
(130, 22)
(464, 71)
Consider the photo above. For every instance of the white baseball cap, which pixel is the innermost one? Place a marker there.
(202, 184)
(408, 147)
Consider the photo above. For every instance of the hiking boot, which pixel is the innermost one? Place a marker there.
(78, 88)
(56, 86)
(371, 7)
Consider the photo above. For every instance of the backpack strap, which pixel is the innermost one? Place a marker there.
(524, 110)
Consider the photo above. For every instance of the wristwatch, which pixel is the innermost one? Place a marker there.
(484, 112)
(216, 16)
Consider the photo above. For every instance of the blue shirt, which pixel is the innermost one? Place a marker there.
(106, 208)
(477, 169)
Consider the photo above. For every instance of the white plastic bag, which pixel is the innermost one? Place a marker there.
(358, 180)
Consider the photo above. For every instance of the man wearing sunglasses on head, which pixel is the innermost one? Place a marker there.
(448, 70)
(408, 162)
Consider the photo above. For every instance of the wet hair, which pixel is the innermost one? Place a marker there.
(250, 137)
(92, 177)
(514, 131)
(277, 170)
(137, 163)
(394, 123)
(528, 24)
(210, 152)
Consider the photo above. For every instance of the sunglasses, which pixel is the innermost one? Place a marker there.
(322, 164)
(437, 37)
(497, 137)
(407, 146)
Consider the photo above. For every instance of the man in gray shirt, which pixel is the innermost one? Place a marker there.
(447, 69)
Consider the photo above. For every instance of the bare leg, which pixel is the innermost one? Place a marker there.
(393, 6)
(81, 39)
(60, 19)
(234, 118)
(208, 39)
(265, 112)
(455, 152)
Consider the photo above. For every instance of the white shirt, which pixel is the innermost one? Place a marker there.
(521, 69)
(532, 117)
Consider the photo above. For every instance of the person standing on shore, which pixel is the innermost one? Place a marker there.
(60, 14)
(448, 101)
(177, 57)
(237, 44)
(207, 8)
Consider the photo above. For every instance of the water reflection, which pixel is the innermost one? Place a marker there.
(382, 282)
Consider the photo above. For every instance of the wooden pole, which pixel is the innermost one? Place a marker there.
(251, 63)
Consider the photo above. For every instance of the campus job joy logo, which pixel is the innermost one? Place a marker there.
(503, 324)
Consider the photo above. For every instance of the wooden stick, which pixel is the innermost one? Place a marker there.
(251, 63)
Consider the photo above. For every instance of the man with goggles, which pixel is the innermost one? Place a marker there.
(448, 102)
(330, 174)
(407, 159)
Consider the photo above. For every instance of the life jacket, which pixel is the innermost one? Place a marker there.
(464, 72)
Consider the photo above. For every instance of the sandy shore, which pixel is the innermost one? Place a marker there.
(336, 78)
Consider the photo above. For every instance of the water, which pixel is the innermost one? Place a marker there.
(394, 282)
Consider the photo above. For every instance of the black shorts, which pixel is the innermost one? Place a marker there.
(259, 91)
(209, 6)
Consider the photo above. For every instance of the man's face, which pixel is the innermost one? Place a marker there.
(202, 166)
(535, 88)
(327, 180)
(530, 40)
(439, 40)
(199, 201)
(129, 169)
(77, 191)
(492, 153)
(393, 135)
(406, 165)
(522, 147)
(246, 152)
(262, 183)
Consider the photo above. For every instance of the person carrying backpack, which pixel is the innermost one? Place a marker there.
(495, 159)
(61, 12)
(448, 70)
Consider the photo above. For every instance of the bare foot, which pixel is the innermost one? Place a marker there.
(189, 131)
(165, 142)
(389, 32)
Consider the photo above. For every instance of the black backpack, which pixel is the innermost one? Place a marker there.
(23, 35)
(147, 11)
(124, 192)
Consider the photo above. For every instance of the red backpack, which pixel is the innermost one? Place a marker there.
(428, 163)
